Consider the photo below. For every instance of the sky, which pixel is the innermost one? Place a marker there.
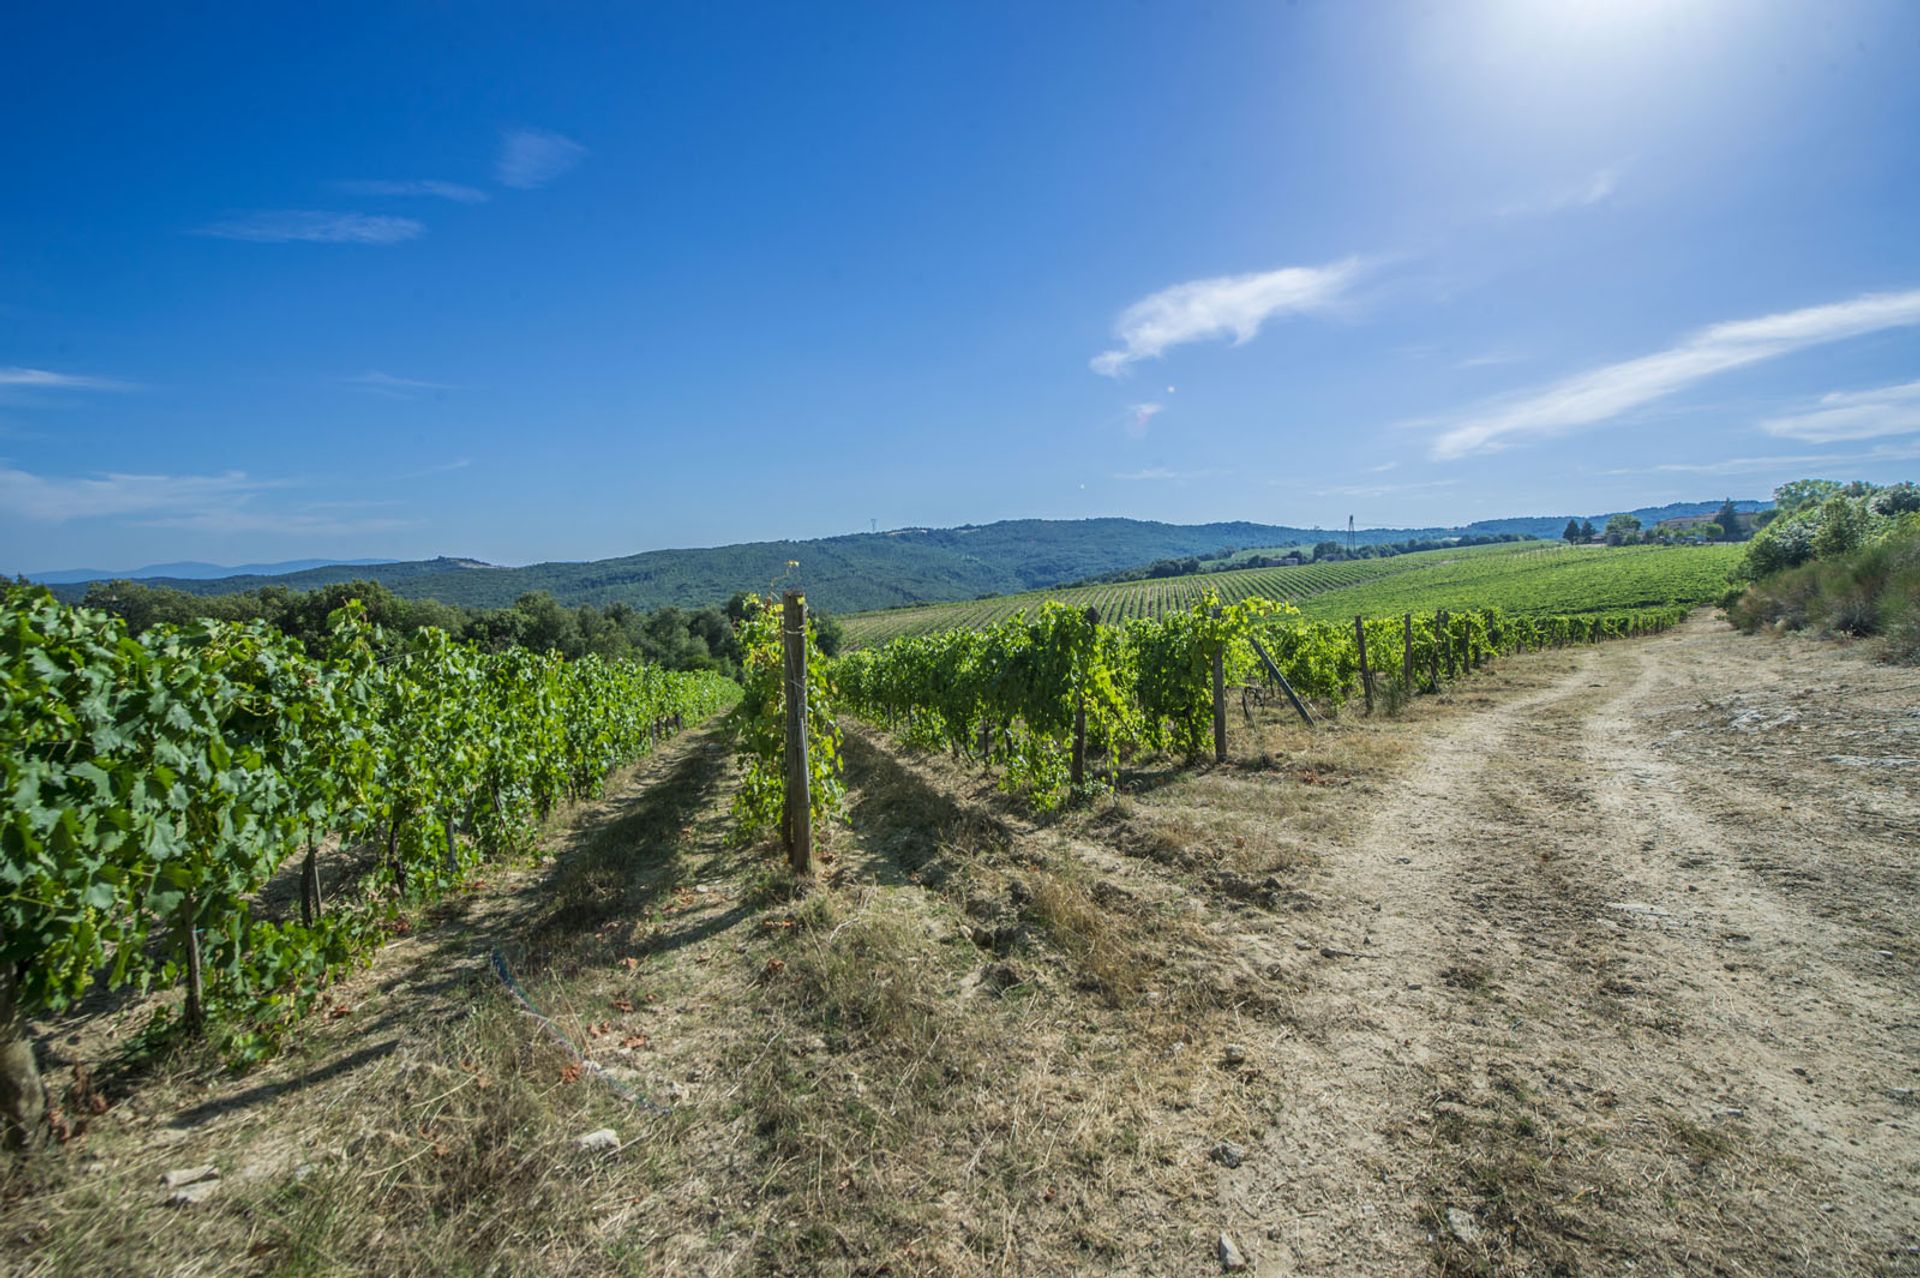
(528, 282)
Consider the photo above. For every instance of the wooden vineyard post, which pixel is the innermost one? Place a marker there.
(1439, 637)
(309, 888)
(1453, 652)
(1078, 775)
(1366, 675)
(1273, 669)
(196, 1009)
(799, 816)
(1406, 657)
(1219, 699)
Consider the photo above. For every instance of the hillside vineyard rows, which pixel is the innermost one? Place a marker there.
(1535, 578)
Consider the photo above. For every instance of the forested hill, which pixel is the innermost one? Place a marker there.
(849, 573)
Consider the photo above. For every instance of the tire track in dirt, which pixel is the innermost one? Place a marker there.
(1592, 1015)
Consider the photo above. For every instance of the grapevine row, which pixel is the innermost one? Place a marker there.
(1012, 692)
(157, 784)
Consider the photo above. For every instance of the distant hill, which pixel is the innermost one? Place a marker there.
(858, 571)
(194, 570)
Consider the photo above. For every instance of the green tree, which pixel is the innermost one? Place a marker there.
(1801, 493)
(1843, 526)
(1728, 520)
(1586, 530)
(1622, 530)
(1572, 532)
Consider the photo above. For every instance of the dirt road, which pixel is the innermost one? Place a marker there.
(1632, 979)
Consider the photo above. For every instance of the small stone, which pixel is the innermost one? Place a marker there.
(1228, 1154)
(1230, 1257)
(191, 1195)
(1235, 1054)
(598, 1142)
(190, 1175)
(1302, 945)
(95, 1167)
(1463, 1226)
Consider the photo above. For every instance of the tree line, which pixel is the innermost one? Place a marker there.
(672, 638)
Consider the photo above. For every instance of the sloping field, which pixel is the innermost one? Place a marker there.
(1521, 577)
(1558, 580)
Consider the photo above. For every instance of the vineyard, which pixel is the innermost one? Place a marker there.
(158, 785)
(1526, 577)
(1040, 693)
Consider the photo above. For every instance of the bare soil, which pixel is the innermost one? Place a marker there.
(1603, 962)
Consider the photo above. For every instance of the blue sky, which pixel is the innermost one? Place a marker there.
(571, 281)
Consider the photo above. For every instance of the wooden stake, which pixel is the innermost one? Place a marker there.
(1220, 702)
(1366, 675)
(310, 907)
(1078, 771)
(1274, 670)
(196, 1015)
(799, 817)
(1406, 657)
(1439, 638)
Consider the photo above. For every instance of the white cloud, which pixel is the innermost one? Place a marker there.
(1488, 360)
(45, 379)
(455, 191)
(310, 226)
(1594, 188)
(1607, 392)
(207, 503)
(397, 387)
(1140, 417)
(1795, 463)
(1229, 304)
(534, 157)
(243, 519)
(45, 499)
(1869, 414)
(1152, 473)
(1383, 490)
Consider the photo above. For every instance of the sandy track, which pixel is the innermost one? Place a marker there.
(1635, 981)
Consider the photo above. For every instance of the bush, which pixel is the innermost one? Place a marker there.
(1872, 589)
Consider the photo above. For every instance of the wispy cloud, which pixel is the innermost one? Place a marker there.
(1593, 188)
(311, 522)
(1140, 417)
(1383, 490)
(54, 500)
(207, 503)
(397, 387)
(455, 191)
(458, 463)
(534, 157)
(1489, 359)
(1797, 463)
(1164, 473)
(1868, 414)
(312, 226)
(1607, 392)
(1236, 305)
(46, 379)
